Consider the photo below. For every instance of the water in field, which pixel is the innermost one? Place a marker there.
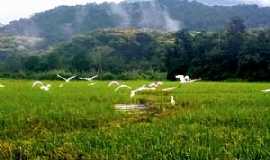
(129, 107)
(77, 121)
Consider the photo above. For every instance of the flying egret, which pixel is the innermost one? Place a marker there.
(45, 87)
(266, 90)
(66, 79)
(187, 78)
(140, 89)
(159, 83)
(181, 78)
(194, 80)
(113, 83)
(172, 101)
(155, 84)
(152, 84)
(144, 88)
(122, 86)
(89, 79)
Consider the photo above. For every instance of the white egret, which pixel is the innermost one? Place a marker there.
(90, 79)
(66, 79)
(122, 86)
(152, 84)
(140, 89)
(172, 101)
(159, 83)
(113, 83)
(155, 84)
(181, 78)
(186, 79)
(194, 80)
(45, 87)
(132, 94)
(144, 88)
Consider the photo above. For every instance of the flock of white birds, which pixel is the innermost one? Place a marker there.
(119, 85)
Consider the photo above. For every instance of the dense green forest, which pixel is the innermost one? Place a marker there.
(61, 23)
(234, 53)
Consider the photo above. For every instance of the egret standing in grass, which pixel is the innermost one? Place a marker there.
(172, 101)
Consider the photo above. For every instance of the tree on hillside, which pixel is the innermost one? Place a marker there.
(236, 26)
(180, 56)
(235, 32)
(98, 56)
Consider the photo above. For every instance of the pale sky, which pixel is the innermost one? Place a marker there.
(15, 9)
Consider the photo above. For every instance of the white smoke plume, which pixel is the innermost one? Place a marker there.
(80, 15)
(171, 24)
(119, 10)
(150, 15)
(158, 17)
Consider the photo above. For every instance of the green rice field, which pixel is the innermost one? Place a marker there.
(211, 120)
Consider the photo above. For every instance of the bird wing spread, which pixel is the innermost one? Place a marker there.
(93, 77)
(37, 83)
(61, 77)
(122, 86)
(70, 78)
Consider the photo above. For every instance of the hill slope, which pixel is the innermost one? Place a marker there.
(63, 22)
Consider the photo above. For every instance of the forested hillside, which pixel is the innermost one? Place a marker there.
(234, 53)
(61, 23)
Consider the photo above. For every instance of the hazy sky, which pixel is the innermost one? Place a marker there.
(15, 9)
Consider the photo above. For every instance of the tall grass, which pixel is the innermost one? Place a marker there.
(210, 121)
